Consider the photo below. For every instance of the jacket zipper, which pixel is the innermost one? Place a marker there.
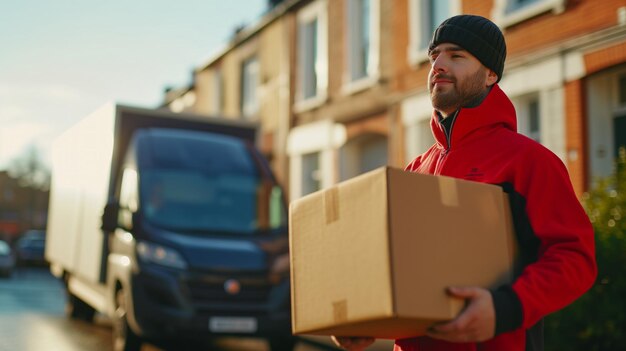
(445, 151)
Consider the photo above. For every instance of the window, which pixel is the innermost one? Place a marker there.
(419, 138)
(309, 55)
(509, 12)
(312, 53)
(534, 130)
(424, 17)
(416, 115)
(373, 153)
(249, 84)
(312, 148)
(311, 177)
(222, 191)
(425, 136)
(217, 96)
(529, 121)
(514, 5)
(362, 154)
(363, 39)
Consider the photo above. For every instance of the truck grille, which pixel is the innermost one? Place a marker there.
(209, 292)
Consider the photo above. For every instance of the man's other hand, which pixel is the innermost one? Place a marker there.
(352, 343)
(476, 323)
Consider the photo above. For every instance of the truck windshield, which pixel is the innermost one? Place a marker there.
(186, 193)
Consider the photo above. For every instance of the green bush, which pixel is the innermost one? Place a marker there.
(597, 321)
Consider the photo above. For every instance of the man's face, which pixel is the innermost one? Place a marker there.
(456, 78)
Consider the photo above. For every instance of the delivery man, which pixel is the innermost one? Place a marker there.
(475, 129)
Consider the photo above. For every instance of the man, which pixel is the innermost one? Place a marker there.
(474, 125)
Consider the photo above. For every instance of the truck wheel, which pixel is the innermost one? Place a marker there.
(79, 309)
(124, 339)
(282, 343)
(76, 308)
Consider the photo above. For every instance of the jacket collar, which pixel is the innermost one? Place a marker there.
(495, 110)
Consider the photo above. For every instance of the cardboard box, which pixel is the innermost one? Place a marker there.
(374, 255)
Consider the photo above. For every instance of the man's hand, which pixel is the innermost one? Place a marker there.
(476, 323)
(352, 343)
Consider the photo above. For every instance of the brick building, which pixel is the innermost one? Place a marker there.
(339, 86)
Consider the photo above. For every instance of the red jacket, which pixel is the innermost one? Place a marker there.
(557, 260)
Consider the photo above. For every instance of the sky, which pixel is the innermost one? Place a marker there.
(62, 59)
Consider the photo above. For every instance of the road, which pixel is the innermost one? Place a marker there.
(32, 319)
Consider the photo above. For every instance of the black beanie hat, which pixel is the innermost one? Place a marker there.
(476, 34)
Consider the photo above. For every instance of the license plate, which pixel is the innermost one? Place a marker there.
(233, 324)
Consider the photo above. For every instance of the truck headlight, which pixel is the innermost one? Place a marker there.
(161, 255)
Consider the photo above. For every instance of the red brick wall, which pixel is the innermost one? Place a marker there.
(604, 58)
(580, 17)
(477, 7)
(405, 76)
(575, 132)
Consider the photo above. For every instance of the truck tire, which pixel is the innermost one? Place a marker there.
(124, 339)
(75, 308)
(282, 343)
(79, 309)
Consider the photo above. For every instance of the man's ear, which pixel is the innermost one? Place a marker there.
(492, 78)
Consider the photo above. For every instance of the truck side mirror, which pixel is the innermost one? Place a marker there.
(109, 216)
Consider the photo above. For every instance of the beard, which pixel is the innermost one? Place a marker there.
(467, 93)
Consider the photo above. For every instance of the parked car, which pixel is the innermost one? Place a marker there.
(7, 259)
(30, 248)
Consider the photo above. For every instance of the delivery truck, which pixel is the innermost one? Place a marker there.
(172, 225)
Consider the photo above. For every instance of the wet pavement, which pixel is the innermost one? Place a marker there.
(32, 318)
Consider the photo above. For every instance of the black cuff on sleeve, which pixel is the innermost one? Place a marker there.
(508, 309)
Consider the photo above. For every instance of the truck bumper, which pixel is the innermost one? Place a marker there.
(173, 305)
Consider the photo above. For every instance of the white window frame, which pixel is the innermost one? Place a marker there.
(416, 114)
(250, 109)
(545, 79)
(602, 107)
(523, 115)
(504, 18)
(314, 174)
(417, 54)
(324, 137)
(357, 152)
(352, 85)
(317, 10)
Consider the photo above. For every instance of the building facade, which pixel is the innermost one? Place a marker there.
(249, 79)
(564, 73)
(339, 86)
